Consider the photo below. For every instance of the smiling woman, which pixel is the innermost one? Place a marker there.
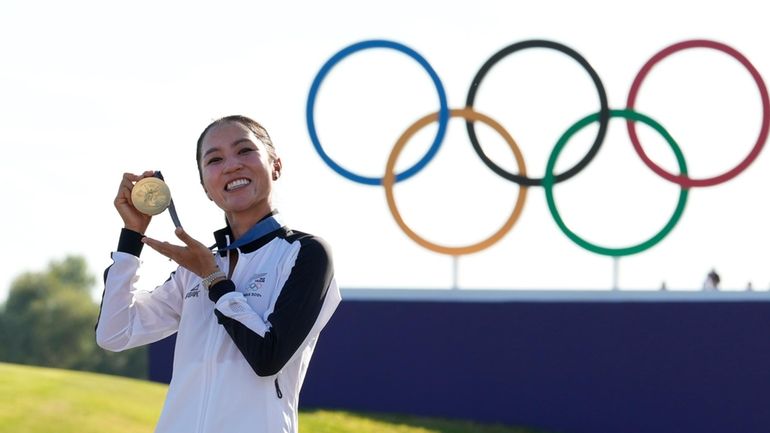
(237, 164)
(247, 316)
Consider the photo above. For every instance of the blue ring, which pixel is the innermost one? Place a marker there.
(443, 117)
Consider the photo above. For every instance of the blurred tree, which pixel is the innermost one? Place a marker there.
(48, 320)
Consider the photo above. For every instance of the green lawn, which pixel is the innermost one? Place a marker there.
(45, 400)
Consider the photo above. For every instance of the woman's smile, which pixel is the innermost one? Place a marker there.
(237, 184)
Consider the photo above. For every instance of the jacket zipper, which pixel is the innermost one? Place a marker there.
(278, 389)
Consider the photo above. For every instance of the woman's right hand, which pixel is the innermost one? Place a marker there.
(132, 218)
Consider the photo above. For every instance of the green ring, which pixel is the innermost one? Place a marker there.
(548, 182)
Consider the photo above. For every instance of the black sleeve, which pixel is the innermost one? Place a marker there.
(293, 316)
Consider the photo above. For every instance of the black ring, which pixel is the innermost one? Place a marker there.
(604, 111)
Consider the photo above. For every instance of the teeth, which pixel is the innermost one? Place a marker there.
(237, 183)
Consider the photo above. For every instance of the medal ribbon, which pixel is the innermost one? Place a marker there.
(171, 208)
(263, 227)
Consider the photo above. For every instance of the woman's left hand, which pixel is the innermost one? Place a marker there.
(194, 256)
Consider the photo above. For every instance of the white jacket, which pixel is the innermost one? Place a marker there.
(243, 349)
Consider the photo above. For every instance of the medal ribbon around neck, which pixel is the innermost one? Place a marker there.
(263, 227)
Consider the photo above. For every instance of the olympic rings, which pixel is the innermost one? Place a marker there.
(389, 180)
(602, 116)
(442, 120)
(603, 110)
(549, 179)
(682, 179)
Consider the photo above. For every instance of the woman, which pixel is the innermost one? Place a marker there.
(248, 316)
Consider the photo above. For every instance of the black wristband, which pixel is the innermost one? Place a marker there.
(220, 288)
(130, 242)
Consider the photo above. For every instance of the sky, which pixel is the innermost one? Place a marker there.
(90, 90)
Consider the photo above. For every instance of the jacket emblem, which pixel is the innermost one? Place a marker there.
(194, 292)
(255, 284)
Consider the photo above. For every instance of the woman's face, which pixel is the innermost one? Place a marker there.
(237, 170)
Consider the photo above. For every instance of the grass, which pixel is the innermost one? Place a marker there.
(45, 400)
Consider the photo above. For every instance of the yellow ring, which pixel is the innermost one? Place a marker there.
(389, 180)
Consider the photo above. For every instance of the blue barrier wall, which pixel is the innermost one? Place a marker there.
(591, 366)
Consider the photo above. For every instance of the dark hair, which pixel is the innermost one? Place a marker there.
(252, 125)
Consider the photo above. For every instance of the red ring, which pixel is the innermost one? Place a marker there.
(683, 180)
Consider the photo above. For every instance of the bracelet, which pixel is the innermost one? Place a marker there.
(216, 275)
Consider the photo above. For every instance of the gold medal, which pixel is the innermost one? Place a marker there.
(151, 196)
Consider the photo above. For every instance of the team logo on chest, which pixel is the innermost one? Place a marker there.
(254, 285)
